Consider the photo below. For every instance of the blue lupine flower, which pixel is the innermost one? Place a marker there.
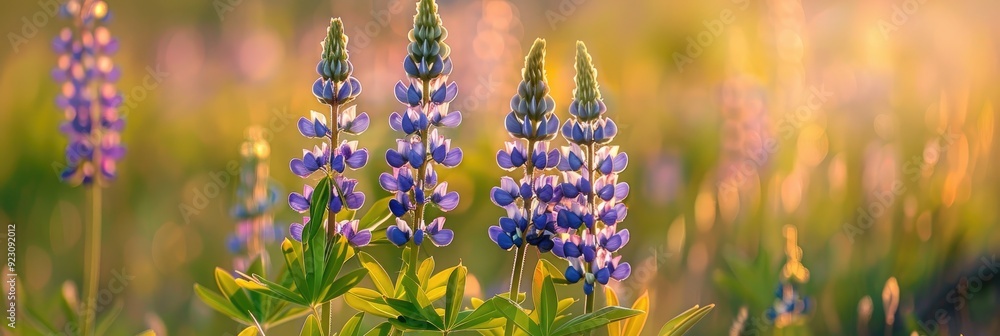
(532, 123)
(88, 94)
(789, 304)
(426, 97)
(591, 206)
(257, 197)
(335, 87)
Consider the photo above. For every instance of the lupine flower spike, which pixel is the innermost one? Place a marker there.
(425, 96)
(256, 200)
(530, 201)
(591, 207)
(332, 157)
(89, 99)
(790, 306)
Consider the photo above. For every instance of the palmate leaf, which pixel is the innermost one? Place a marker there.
(683, 322)
(220, 303)
(314, 244)
(343, 284)
(418, 297)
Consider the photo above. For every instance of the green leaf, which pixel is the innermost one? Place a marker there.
(454, 295)
(683, 322)
(353, 326)
(548, 307)
(424, 272)
(403, 270)
(314, 244)
(417, 296)
(634, 325)
(232, 291)
(558, 277)
(362, 300)
(377, 214)
(311, 327)
(272, 289)
(320, 198)
(381, 279)
(405, 308)
(343, 284)
(382, 329)
(594, 320)
(219, 303)
(480, 318)
(293, 262)
(441, 278)
(512, 311)
(249, 331)
(340, 252)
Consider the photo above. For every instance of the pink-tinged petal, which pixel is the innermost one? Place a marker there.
(620, 162)
(362, 238)
(622, 271)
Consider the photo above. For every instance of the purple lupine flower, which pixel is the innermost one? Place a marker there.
(88, 94)
(426, 97)
(591, 206)
(335, 87)
(532, 123)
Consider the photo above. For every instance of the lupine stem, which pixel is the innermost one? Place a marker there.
(592, 156)
(331, 220)
(94, 251)
(94, 256)
(522, 251)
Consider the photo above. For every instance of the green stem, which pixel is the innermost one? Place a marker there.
(522, 251)
(93, 256)
(591, 202)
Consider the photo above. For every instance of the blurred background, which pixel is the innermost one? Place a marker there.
(846, 145)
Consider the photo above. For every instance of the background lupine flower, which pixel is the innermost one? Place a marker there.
(789, 304)
(530, 202)
(426, 97)
(591, 208)
(88, 97)
(256, 198)
(335, 87)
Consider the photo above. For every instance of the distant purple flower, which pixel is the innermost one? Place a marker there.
(88, 97)
(335, 87)
(425, 97)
